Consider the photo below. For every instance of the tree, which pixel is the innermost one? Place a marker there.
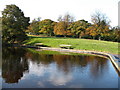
(64, 22)
(100, 27)
(115, 34)
(0, 25)
(66, 18)
(33, 28)
(60, 29)
(78, 28)
(46, 27)
(13, 24)
(91, 31)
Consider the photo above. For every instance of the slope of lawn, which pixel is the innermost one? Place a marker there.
(81, 44)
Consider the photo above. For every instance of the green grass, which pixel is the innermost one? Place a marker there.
(56, 52)
(80, 44)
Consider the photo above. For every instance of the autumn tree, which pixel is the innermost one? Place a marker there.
(46, 27)
(13, 24)
(60, 29)
(33, 28)
(64, 22)
(100, 27)
(91, 31)
(78, 28)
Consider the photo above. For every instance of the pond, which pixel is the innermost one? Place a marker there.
(28, 68)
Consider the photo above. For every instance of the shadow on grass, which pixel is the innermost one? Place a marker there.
(30, 37)
(43, 46)
(67, 47)
(39, 37)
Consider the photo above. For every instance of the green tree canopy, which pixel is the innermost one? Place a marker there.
(33, 28)
(46, 27)
(115, 34)
(13, 24)
(79, 27)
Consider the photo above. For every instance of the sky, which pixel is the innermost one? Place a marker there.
(52, 9)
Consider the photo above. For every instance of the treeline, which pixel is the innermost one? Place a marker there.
(15, 26)
(66, 26)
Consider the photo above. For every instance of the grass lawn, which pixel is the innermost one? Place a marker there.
(81, 44)
(55, 52)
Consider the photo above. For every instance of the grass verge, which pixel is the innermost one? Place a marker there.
(79, 44)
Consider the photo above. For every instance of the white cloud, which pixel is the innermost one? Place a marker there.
(60, 78)
(54, 77)
(34, 69)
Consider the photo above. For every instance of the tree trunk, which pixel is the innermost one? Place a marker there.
(80, 37)
(99, 38)
(64, 35)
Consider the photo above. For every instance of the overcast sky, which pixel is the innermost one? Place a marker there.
(51, 9)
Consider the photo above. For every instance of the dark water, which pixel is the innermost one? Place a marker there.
(23, 68)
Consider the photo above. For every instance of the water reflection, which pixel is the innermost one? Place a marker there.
(14, 64)
(31, 69)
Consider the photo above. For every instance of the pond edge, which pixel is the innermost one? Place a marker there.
(112, 57)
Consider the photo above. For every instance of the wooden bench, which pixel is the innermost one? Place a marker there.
(65, 46)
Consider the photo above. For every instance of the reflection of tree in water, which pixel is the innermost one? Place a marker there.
(63, 62)
(39, 58)
(98, 66)
(66, 63)
(13, 64)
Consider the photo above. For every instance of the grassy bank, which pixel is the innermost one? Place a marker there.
(82, 44)
(56, 52)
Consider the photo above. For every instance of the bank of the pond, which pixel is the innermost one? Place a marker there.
(86, 46)
(114, 59)
(79, 44)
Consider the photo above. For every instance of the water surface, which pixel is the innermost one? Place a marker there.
(27, 68)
